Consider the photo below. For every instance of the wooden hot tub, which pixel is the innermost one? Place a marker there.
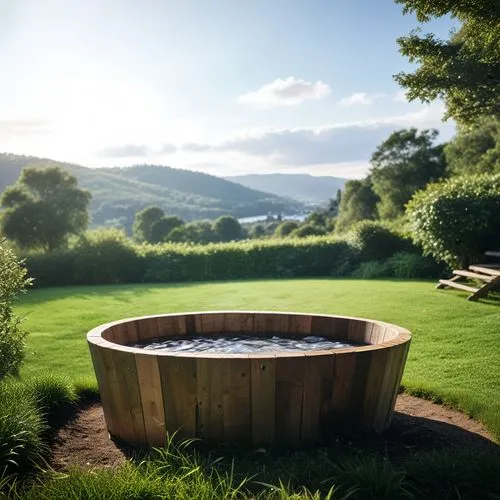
(257, 399)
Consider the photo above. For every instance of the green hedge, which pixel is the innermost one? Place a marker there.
(122, 262)
(109, 258)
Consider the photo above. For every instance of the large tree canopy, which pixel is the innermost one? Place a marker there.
(475, 150)
(464, 70)
(358, 202)
(144, 222)
(44, 207)
(404, 163)
(227, 228)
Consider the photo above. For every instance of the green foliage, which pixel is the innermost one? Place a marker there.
(374, 241)
(403, 265)
(464, 69)
(53, 394)
(21, 428)
(408, 265)
(13, 281)
(285, 228)
(144, 222)
(369, 477)
(373, 269)
(227, 228)
(43, 208)
(358, 202)
(476, 149)
(463, 473)
(404, 163)
(307, 230)
(106, 256)
(172, 472)
(162, 227)
(258, 231)
(457, 220)
(200, 232)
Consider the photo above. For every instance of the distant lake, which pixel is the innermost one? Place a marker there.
(263, 218)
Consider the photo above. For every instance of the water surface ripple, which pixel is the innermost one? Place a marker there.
(244, 344)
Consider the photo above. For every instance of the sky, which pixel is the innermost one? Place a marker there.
(226, 87)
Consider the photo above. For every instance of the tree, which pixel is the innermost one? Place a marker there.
(257, 232)
(359, 202)
(161, 228)
(285, 228)
(404, 163)
(318, 218)
(13, 281)
(464, 70)
(201, 232)
(43, 207)
(227, 228)
(144, 221)
(475, 150)
(457, 220)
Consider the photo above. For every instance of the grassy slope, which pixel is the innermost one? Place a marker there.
(455, 352)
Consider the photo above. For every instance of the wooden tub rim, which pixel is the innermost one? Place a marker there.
(95, 336)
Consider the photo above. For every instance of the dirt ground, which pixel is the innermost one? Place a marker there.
(418, 425)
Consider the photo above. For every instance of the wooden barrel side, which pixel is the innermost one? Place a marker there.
(289, 398)
(119, 388)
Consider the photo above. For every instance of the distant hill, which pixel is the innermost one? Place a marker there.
(118, 193)
(302, 187)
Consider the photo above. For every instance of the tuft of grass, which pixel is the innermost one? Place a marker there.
(53, 393)
(171, 472)
(21, 429)
(369, 477)
(461, 474)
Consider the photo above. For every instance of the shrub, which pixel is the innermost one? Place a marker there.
(105, 256)
(13, 281)
(374, 241)
(53, 394)
(455, 221)
(413, 265)
(285, 228)
(21, 428)
(372, 269)
(307, 230)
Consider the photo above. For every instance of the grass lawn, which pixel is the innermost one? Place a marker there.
(454, 357)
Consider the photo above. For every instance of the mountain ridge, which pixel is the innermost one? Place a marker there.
(119, 192)
(302, 187)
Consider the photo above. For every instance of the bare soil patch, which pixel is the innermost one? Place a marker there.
(418, 425)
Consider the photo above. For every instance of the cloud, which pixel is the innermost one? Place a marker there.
(168, 148)
(194, 147)
(23, 127)
(125, 151)
(289, 92)
(348, 142)
(359, 98)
